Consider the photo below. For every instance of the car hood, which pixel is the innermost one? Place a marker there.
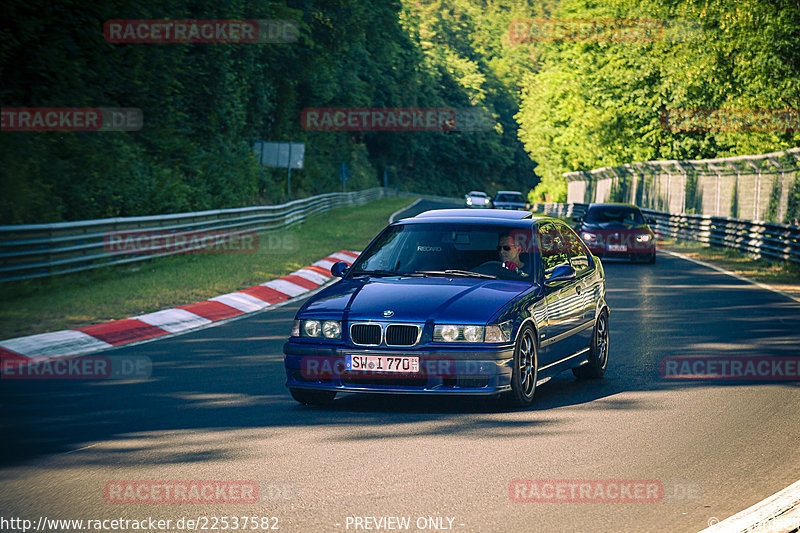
(614, 226)
(458, 300)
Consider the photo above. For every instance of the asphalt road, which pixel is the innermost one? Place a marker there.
(216, 408)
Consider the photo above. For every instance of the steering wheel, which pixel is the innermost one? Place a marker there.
(496, 268)
(491, 267)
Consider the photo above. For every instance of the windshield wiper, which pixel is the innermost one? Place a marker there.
(385, 273)
(460, 273)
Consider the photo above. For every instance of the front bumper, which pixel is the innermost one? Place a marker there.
(476, 371)
(641, 252)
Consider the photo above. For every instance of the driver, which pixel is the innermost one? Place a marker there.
(509, 251)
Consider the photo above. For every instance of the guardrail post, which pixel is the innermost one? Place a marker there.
(758, 195)
(683, 191)
(719, 189)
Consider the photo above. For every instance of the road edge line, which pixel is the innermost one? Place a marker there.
(409, 206)
(732, 274)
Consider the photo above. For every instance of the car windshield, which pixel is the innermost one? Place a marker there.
(481, 194)
(620, 214)
(509, 197)
(464, 250)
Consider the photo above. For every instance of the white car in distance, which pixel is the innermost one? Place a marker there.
(478, 200)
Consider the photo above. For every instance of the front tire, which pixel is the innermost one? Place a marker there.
(598, 351)
(313, 397)
(525, 371)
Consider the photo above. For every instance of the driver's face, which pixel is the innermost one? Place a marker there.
(509, 250)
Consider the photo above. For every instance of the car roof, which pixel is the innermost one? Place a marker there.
(469, 213)
(477, 192)
(509, 192)
(511, 217)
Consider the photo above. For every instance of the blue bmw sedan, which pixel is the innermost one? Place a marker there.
(454, 302)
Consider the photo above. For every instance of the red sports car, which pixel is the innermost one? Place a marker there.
(617, 231)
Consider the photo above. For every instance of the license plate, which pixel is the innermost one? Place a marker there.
(617, 248)
(382, 363)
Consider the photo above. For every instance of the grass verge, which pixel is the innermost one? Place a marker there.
(76, 300)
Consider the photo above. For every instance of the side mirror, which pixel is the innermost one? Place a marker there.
(339, 269)
(560, 274)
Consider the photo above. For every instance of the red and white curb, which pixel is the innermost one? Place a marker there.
(72, 342)
(780, 513)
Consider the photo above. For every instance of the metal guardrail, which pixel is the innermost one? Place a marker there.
(572, 210)
(37, 250)
(758, 239)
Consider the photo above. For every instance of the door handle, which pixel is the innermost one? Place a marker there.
(578, 289)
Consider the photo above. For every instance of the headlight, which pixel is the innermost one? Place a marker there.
(498, 332)
(312, 328)
(473, 333)
(469, 201)
(331, 329)
(456, 333)
(643, 238)
(586, 236)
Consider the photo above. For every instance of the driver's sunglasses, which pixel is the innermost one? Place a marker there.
(506, 247)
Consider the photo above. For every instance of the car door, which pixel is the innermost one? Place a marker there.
(563, 300)
(586, 282)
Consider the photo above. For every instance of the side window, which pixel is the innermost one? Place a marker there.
(578, 255)
(553, 249)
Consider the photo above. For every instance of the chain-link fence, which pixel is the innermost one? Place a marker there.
(754, 187)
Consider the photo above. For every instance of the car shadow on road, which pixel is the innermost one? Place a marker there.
(223, 380)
